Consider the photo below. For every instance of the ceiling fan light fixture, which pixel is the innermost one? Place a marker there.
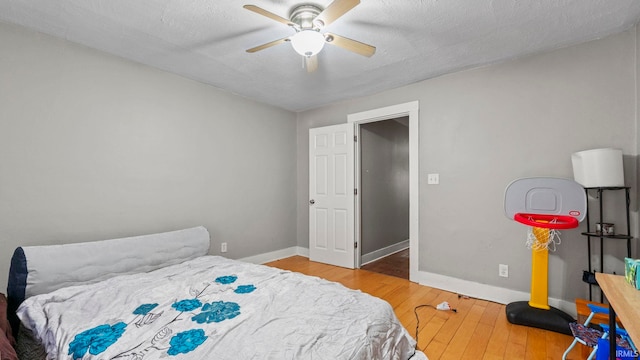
(307, 42)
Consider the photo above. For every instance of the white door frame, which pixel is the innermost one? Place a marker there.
(410, 109)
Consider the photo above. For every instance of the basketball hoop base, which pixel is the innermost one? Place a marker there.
(521, 313)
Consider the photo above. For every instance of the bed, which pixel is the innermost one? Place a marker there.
(161, 296)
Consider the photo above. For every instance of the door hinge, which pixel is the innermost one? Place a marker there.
(355, 245)
(355, 138)
(355, 191)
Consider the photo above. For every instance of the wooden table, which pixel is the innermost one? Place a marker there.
(624, 302)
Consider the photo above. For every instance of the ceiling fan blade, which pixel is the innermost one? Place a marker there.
(311, 63)
(267, 45)
(335, 10)
(351, 45)
(269, 14)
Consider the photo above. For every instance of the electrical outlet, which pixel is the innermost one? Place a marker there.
(503, 270)
(223, 247)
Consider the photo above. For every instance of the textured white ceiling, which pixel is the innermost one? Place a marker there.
(416, 39)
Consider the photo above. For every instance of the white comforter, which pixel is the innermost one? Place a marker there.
(215, 308)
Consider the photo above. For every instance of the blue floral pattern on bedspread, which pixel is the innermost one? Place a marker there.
(244, 289)
(144, 309)
(186, 341)
(96, 340)
(187, 305)
(217, 311)
(230, 279)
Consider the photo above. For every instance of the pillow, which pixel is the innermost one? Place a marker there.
(42, 269)
(7, 342)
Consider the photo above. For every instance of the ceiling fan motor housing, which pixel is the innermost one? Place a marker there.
(304, 15)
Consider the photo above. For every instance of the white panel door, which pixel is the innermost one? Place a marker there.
(331, 195)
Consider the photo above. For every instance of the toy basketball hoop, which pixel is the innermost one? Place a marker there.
(546, 202)
(546, 205)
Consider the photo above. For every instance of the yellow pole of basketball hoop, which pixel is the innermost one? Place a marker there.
(540, 269)
(542, 235)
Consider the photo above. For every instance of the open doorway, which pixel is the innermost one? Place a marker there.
(410, 110)
(384, 196)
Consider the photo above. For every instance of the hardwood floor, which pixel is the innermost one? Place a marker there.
(478, 330)
(394, 265)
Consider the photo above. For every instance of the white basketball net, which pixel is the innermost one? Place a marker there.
(541, 238)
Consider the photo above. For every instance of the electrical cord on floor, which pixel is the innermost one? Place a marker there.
(441, 306)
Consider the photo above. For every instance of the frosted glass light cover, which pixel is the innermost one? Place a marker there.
(307, 42)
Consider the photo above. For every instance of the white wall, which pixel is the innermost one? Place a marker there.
(482, 128)
(95, 147)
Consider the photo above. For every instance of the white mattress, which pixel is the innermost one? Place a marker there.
(215, 308)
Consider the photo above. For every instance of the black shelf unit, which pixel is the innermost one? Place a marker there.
(592, 234)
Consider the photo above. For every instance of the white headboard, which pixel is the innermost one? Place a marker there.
(42, 269)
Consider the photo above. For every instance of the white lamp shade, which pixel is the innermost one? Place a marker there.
(307, 42)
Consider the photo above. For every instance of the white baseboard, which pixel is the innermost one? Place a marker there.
(302, 251)
(386, 251)
(276, 255)
(442, 282)
(486, 292)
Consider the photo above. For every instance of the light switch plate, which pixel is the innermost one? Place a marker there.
(433, 179)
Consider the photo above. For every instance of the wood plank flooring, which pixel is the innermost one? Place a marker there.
(396, 264)
(478, 330)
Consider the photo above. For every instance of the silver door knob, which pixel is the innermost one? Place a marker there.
(312, 201)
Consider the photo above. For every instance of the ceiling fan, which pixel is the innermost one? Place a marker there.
(308, 21)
